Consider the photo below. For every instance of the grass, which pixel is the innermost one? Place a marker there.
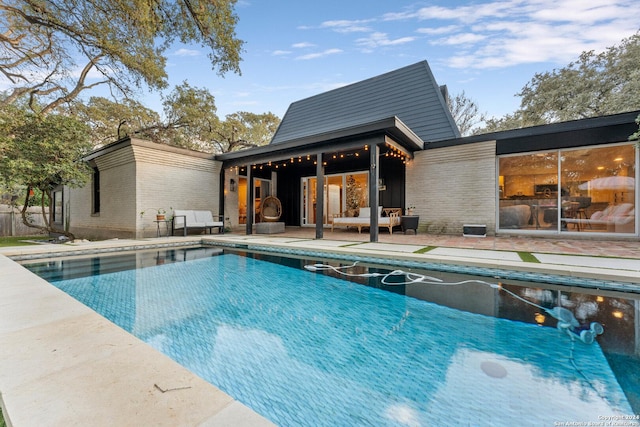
(2, 423)
(424, 250)
(528, 257)
(19, 241)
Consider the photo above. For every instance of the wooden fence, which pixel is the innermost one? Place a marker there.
(11, 222)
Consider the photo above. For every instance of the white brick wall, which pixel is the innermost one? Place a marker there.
(140, 176)
(453, 186)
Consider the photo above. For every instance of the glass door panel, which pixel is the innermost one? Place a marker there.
(343, 194)
(333, 198)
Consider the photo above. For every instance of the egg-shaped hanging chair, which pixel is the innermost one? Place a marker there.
(271, 209)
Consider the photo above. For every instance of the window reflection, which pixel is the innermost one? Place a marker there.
(593, 191)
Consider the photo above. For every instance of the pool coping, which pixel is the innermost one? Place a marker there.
(63, 364)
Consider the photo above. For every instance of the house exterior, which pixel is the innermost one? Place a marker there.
(387, 141)
(134, 178)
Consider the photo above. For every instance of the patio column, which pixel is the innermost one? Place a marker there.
(319, 196)
(250, 213)
(374, 155)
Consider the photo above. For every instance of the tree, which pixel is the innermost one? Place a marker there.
(596, 84)
(42, 152)
(244, 130)
(51, 48)
(190, 118)
(190, 122)
(465, 113)
(110, 121)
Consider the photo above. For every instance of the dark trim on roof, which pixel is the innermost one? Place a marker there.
(338, 140)
(575, 133)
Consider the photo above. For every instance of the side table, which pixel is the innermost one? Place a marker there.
(409, 222)
(166, 226)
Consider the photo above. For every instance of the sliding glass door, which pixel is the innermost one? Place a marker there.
(343, 195)
(591, 189)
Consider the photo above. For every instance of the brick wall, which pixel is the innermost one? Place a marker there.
(143, 176)
(453, 186)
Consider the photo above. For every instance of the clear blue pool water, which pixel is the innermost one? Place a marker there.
(306, 349)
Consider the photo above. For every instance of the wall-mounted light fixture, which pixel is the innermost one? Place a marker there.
(233, 186)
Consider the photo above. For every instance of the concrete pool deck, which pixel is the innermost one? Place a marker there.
(63, 364)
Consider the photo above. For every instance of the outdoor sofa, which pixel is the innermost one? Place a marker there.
(390, 220)
(187, 219)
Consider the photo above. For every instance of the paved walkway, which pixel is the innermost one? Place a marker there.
(596, 256)
(593, 246)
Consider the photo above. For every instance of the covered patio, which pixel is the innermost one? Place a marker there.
(299, 173)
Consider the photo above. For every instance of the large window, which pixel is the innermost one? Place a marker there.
(343, 195)
(578, 190)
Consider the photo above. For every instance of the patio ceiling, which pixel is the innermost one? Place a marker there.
(390, 132)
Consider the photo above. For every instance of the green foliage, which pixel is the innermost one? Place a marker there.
(596, 84)
(20, 241)
(50, 48)
(41, 152)
(636, 135)
(243, 130)
(190, 122)
(110, 121)
(190, 117)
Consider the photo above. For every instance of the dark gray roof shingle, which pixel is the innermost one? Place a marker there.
(410, 93)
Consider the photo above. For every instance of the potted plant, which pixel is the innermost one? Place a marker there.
(410, 210)
(160, 213)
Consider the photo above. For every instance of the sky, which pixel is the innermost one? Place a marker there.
(488, 49)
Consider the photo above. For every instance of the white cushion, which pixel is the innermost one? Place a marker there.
(194, 219)
(364, 213)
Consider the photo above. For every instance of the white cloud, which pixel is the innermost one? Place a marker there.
(316, 55)
(378, 39)
(348, 26)
(504, 33)
(437, 30)
(302, 45)
(280, 52)
(186, 52)
(464, 38)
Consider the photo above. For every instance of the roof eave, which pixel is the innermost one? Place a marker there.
(392, 126)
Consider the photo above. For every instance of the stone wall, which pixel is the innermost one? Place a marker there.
(453, 186)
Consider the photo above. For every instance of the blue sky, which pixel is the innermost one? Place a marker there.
(489, 49)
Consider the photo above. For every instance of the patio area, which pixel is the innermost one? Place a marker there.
(599, 246)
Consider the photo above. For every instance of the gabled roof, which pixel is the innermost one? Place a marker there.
(409, 93)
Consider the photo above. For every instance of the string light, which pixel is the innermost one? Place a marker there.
(391, 151)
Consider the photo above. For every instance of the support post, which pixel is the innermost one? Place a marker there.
(374, 155)
(319, 197)
(222, 196)
(250, 213)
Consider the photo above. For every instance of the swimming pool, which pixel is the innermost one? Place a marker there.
(303, 348)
